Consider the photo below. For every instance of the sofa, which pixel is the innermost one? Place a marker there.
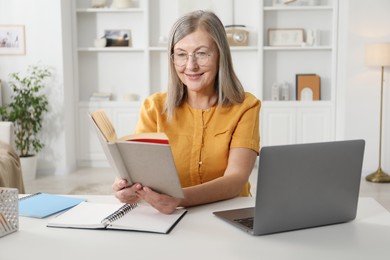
(10, 170)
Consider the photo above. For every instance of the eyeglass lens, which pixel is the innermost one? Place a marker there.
(180, 59)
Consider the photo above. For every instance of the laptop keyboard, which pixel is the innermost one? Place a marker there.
(248, 222)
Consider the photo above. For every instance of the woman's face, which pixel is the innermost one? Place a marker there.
(198, 77)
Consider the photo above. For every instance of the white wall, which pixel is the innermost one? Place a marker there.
(45, 44)
(367, 22)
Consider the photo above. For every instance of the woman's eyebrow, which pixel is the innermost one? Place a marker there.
(196, 49)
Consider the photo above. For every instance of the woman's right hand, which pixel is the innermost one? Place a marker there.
(124, 193)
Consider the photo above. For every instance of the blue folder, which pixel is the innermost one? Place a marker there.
(42, 205)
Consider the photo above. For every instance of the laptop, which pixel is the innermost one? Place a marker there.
(303, 186)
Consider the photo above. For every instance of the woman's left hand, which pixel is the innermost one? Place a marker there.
(163, 203)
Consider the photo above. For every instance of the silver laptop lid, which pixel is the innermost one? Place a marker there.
(307, 185)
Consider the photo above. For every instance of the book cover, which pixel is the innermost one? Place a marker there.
(144, 158)
(120, 216)
(42, 205)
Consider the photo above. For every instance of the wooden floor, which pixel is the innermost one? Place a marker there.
(99, 181)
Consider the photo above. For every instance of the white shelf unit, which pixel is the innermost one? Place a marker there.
(142, 68)
(117, 70)
(287, 122)
(283, 63)
(121, 71)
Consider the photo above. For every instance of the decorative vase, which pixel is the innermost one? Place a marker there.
(98, 3)
(29, 167)
(100, 43)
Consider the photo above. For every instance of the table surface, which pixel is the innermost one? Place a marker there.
(201, 235)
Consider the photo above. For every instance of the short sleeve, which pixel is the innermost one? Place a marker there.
(150, 112)
(247, 133)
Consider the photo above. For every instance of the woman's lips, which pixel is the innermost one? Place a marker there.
(194, 76)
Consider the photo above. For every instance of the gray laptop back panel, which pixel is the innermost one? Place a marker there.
(307, 185)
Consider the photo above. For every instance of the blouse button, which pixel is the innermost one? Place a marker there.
(200, 162)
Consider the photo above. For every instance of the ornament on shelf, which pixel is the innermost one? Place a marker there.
(285, 91)
(163, 40)
(310, 37)
(100, 43)
(98, 3)
(275, 92)
(121, 4)
(237, 35)
(129, 97)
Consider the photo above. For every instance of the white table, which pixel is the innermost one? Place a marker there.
(201, 235)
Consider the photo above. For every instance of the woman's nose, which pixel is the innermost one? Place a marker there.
(192, 64)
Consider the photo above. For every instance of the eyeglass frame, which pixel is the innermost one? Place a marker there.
(193, 56)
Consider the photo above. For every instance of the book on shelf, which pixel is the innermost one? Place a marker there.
(144, 158)
(100, 96)
(120, 216)
(42, 205)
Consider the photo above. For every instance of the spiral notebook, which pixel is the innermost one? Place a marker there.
(42, 205)
(134, 217)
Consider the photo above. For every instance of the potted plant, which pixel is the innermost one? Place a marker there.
(26, 109)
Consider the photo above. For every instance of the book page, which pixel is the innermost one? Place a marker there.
(85, 215)
(90, 215)
(158, 138)
(107, 129)
(104, 124)
(147, 218)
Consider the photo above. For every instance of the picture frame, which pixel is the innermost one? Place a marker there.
(118, 38)
(288, 37)
(12, 40)
(308, 87)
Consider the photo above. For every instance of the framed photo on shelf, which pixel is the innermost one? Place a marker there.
(308, 87)
(285, 37)
(118, 38)
(12, 40)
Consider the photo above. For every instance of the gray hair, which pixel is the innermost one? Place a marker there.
(227, 84)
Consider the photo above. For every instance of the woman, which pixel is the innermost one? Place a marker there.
(211, 123)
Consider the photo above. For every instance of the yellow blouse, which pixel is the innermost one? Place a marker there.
(201, 139)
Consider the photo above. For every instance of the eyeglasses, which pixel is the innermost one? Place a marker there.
(181, 58)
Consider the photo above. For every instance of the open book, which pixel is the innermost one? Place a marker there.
(140, 158)
(136, 217)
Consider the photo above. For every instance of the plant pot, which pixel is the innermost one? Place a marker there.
(29, 167)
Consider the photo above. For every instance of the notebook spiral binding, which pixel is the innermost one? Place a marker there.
(9, 211)
(120, 212)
